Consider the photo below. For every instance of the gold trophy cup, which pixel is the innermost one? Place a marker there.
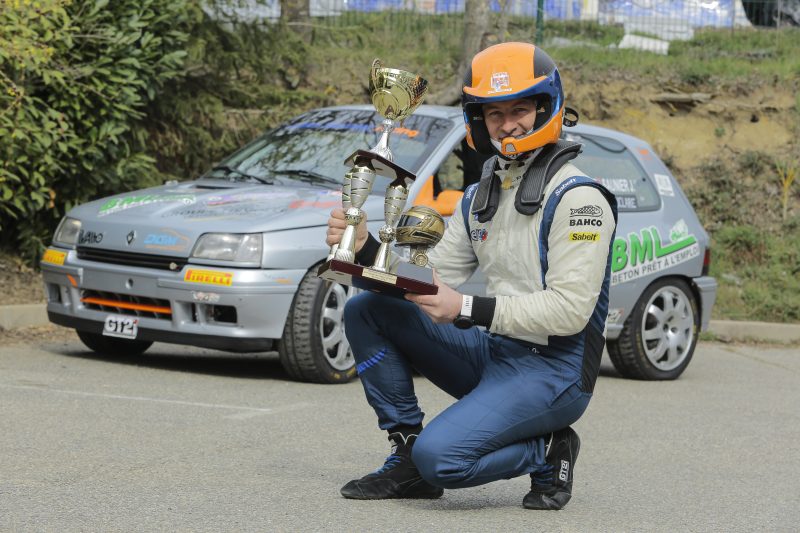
(395, 95)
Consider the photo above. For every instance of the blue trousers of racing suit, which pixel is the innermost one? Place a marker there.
(510, 396)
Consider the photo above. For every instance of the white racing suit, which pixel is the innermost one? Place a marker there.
(532, 369)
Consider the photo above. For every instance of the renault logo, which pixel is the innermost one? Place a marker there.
(130, 237)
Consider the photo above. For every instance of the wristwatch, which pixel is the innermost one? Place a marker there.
(464, 319)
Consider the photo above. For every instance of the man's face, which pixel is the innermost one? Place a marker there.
(510, 118)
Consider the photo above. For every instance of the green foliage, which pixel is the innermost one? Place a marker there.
(76, 76)
(758, 272)
(240, 78)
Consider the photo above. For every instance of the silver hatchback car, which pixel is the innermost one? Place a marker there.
(229, 260)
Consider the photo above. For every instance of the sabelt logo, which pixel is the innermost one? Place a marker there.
(208, 277)
(563, 186)
(591, 236)
(53, 257)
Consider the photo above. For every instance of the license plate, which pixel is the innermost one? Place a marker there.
(121, 326)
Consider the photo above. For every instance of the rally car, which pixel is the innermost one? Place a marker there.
(229, 260)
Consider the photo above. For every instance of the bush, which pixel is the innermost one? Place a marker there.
(75, 77)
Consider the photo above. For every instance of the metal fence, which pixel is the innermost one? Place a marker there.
(649, 25)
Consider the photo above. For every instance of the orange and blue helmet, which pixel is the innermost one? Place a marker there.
(509, 71)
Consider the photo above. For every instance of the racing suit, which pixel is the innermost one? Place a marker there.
(532, 369)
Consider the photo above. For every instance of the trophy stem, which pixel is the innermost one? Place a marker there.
(347, 246)
(382, 258)
(382, 148)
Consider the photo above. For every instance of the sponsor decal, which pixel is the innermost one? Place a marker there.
(53, 257)
(224, 212)
(208, 277)
(500, 83)
(226, 199)
(646, 252)
(591, 236)
(167, 240)
(479, 235)
(205, 297)
(563, 473)
(90, 237)
(564, 185)
(400, 131)
(614, 315)
(587, 211)
(664, 185)
(585, 222)
(298, 204)
(619, 185)
(116, 205)
(344, 126)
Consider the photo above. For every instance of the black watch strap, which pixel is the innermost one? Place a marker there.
(464, 318)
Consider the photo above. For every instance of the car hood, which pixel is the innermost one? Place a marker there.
(168, 219)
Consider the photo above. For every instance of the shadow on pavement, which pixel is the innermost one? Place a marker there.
(165, 357)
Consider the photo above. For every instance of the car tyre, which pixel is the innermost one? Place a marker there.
(112, 345)
(659, 337)
(314, 347)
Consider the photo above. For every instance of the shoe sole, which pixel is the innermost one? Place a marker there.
(407, 494)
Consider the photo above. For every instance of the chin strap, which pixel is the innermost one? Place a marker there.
(531, 191)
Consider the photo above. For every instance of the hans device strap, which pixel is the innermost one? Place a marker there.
(530, 193)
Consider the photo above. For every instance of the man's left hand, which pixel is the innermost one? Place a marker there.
(443, 307)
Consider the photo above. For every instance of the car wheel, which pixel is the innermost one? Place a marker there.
(658, 338)
(112, 345)
(314, 347)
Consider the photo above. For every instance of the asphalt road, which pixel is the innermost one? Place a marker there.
(192, 440)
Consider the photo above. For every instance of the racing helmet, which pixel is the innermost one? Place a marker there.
(509, 71)
(420, 225)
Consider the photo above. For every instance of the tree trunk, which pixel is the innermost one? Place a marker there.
(295, 13)
(476, 21)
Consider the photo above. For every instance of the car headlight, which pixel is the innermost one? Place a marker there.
(67, 232)
(238, 247)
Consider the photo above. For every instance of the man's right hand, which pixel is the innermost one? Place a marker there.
(336, 226)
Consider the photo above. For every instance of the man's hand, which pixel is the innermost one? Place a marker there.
(443, 307)
(336, 226)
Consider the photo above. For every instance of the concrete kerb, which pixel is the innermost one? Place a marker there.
(23, 316)
(28, 315)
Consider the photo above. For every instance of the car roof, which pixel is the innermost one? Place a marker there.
(455, 113)
(436, 111)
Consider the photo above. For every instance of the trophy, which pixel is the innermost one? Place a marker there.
(395, 95)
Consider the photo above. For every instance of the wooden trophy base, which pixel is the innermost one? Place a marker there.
(409, 278)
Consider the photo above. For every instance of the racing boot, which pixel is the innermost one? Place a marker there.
(397, 478)
(551, 487)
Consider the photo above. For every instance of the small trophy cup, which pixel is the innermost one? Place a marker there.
(395, 95)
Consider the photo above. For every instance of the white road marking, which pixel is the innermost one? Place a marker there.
(246, 411)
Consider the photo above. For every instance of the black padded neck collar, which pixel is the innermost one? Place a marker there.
(530, 192)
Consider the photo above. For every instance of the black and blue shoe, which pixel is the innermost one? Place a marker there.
(551, 487)
(397, 478)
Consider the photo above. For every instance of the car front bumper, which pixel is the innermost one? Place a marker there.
(231, 309)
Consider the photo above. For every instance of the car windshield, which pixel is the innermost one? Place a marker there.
(312, 147)
(610, 162)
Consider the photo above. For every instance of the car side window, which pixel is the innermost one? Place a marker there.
(461, 169)
(611, 163)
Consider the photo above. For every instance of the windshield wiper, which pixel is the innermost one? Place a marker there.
(231, 170)
(307, 175)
